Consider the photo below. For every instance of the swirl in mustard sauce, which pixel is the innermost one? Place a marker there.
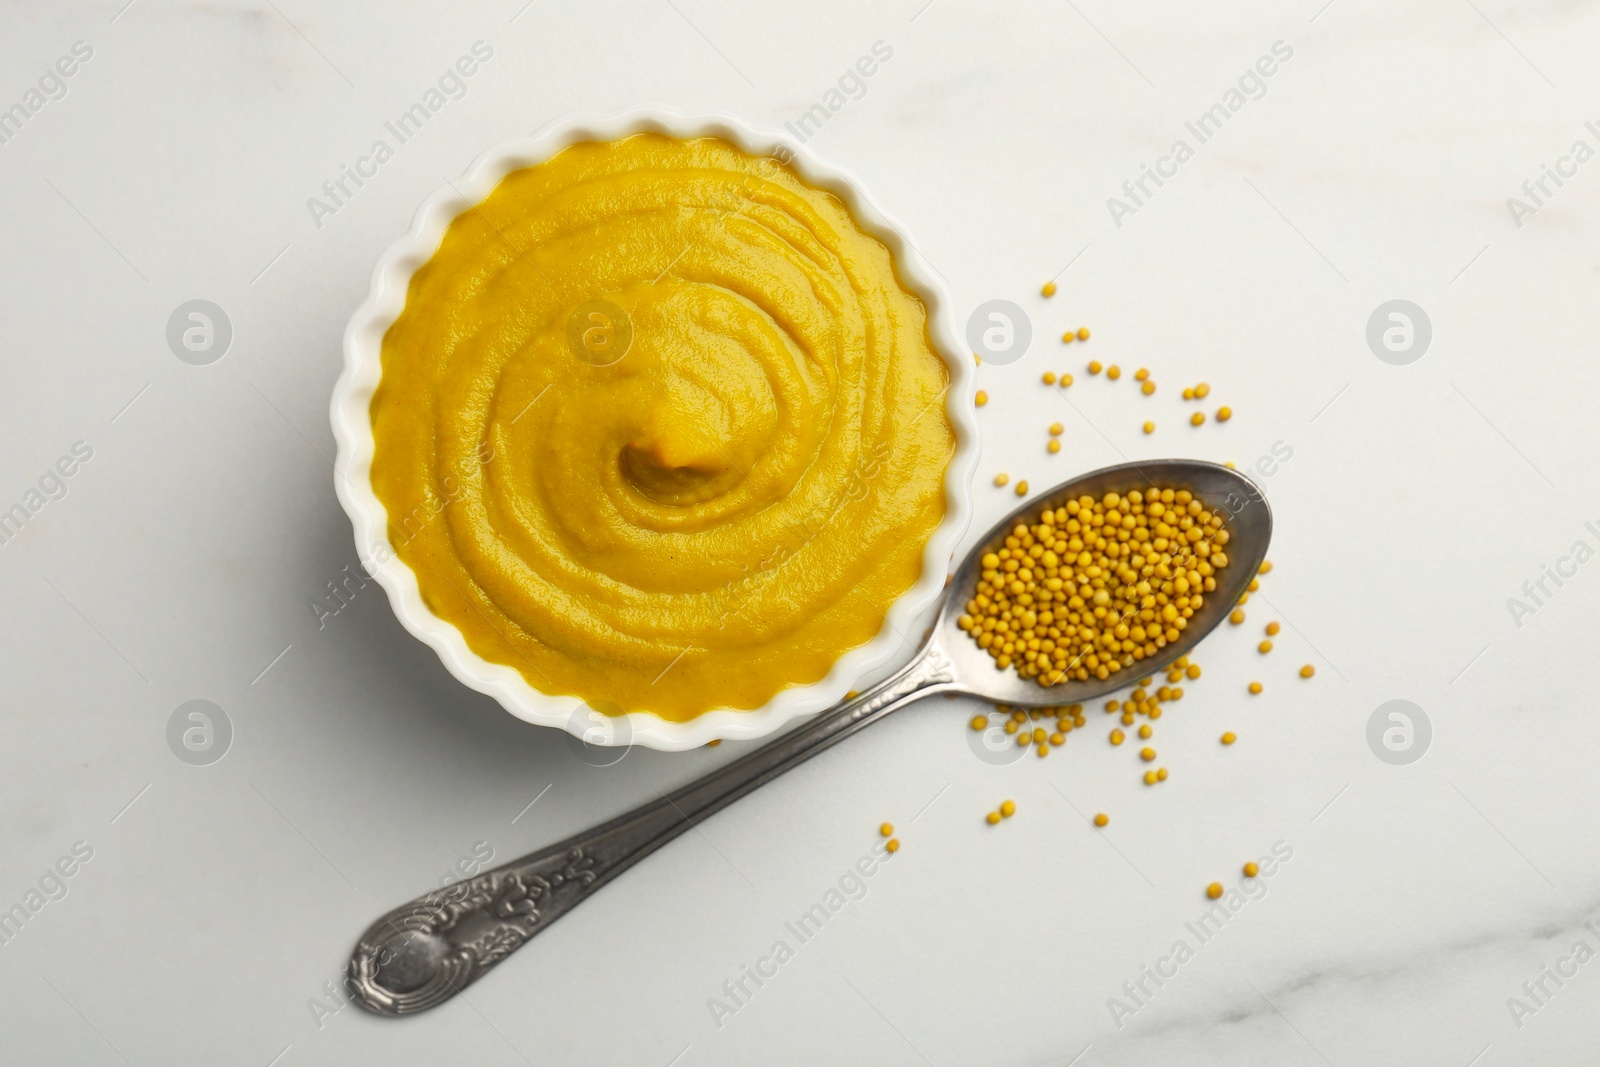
(660, 427)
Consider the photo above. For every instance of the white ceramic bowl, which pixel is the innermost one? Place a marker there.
(352, 428)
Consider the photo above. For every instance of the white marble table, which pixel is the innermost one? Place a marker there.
(209, 908)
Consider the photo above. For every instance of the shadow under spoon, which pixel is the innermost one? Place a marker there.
(424, 952)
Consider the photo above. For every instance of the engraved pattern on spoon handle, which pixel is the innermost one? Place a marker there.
(428, 950)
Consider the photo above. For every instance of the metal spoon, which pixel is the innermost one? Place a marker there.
(423, 953)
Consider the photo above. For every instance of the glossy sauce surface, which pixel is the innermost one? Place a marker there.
(660, 428)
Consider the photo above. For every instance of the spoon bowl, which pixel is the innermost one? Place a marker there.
(1246, 516)
(423, 953)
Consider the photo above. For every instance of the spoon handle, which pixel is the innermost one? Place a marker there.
(424, 952)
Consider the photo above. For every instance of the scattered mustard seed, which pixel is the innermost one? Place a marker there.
(1148, 388)
(1224, 414)
(893, 845)
(1022, 488)
(1101, 819)
(1273, 628)
(1141, 375)
(1048, 289)
(1255, 688)
(1202, 391)
(1113, 372)
(1251, 870)
(980, 722)
(1055, 429)
(1008, 808)
(1214, 890)
(1117, 737)
(1002, 478)
(1149, 427)
(1229, 738)
(1049, 377)
(1053, 447)
(1068, 337)
(1083, 333)
(1066, 380)
(1307, 671)
(992, 818)
(1094, 366)
(887, 829)
(1264, 647)
(1197, 418)
(981, 399)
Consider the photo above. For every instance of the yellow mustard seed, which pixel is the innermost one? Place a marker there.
(1044, 750)
(1048, 289)
(1040, 735)
(1117, 737)
(1068, 337)
(981, 399)
(1307, 671)
(1273, 628)
(887, 829)
(1094, 366)
(1049, 377)
(1224, 414)
(1113, 372)
(1202, 391)
(1022, 488)
(1066, 380)
(1197, 419)
(1008, 808)
(1145, 732)
(1266, 567)
(1096, 585)
(1229, 738)
(1161, 774)
(980, 722)
(1002, 478)
(1056, 428)
(1142, 374)
(1053, 446)
(1188, 394)
(1244, 598)
(1214, 890)
(1255, 688)
(1147, 754)
(1148, 388)
(992, 818)
(1150, 778)
(1251, 870)
(1149, 427)
(893, 845)
(1192, 671)
(1101, 819)
(1264, 647)
(1255, 583)
(1058, 738)
(1083, 333)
